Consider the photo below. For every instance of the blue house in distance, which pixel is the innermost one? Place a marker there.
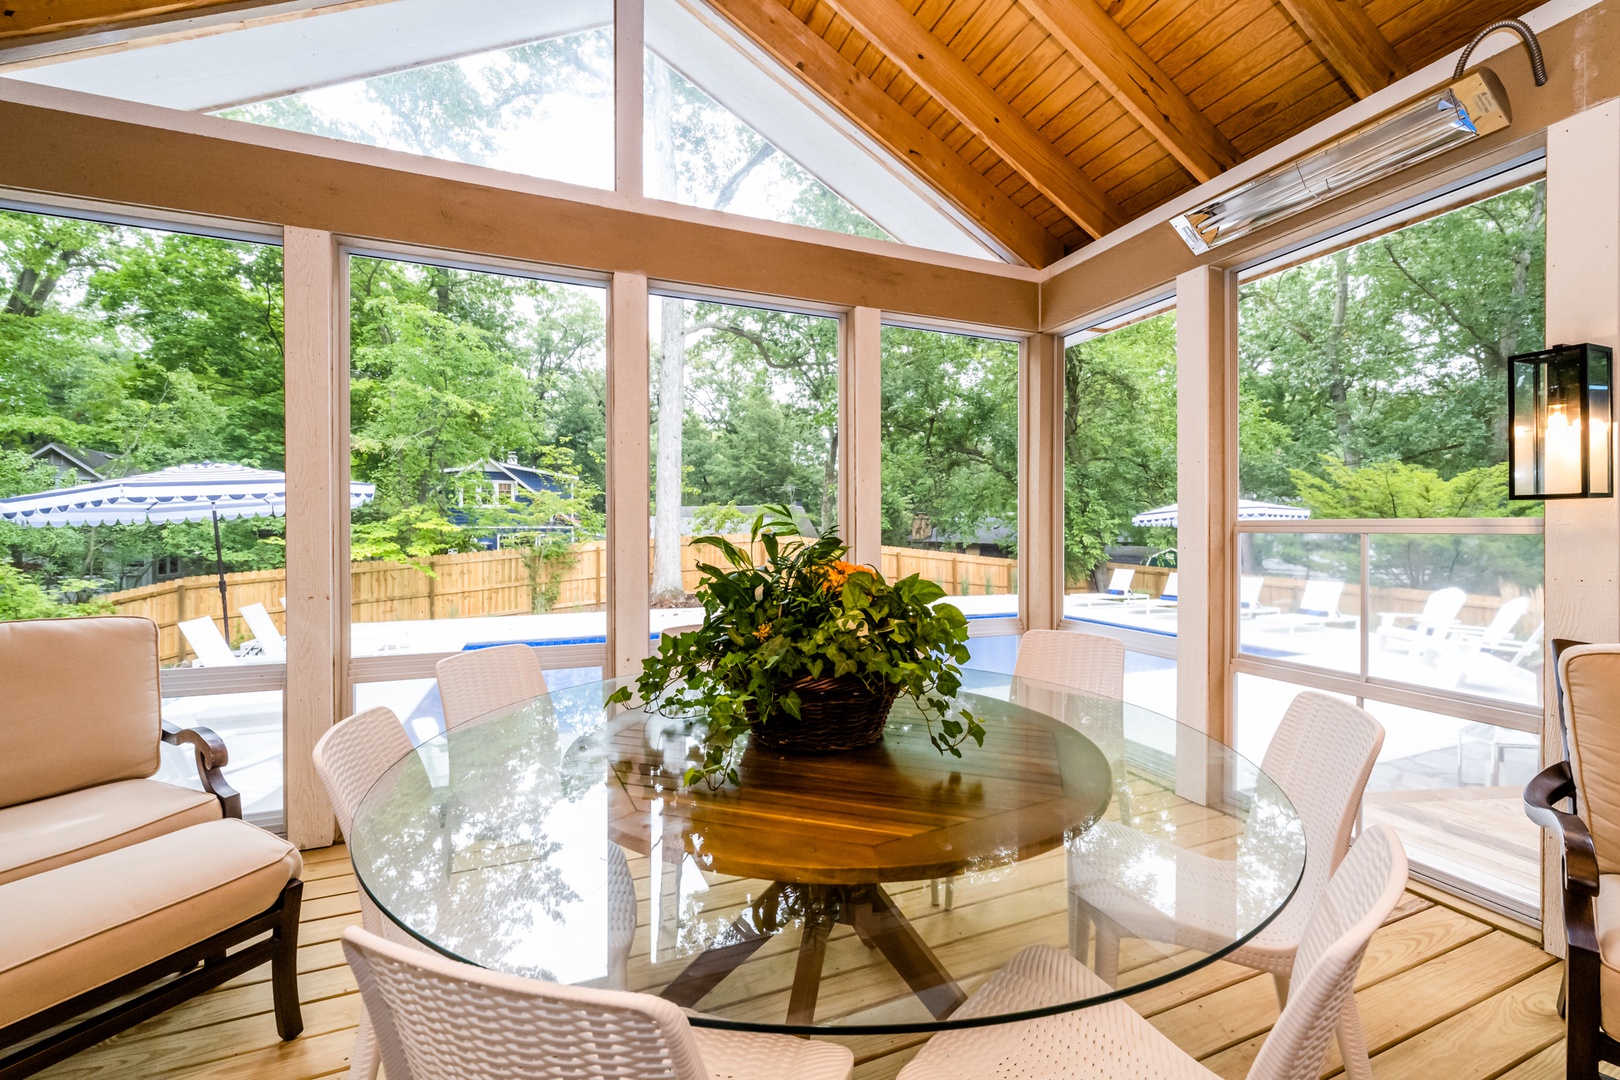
(497, 483)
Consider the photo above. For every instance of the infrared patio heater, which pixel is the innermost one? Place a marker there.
(1468, 108)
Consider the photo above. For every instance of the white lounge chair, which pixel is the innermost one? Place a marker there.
(1430, 626)
(1170, 595)
(1249, 605)
(1318, 605)
(207, 643)
(1119, 586)
(272, 646)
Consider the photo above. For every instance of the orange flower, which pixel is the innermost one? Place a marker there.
(763, 632)
(837, 572)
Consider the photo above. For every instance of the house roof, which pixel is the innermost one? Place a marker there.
(528, 476)
(89, 461)
(1041, 124)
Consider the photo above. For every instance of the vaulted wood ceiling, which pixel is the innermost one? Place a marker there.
(1082, 114)
(1050, 122)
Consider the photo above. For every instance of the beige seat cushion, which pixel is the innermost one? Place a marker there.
(79, 926)
(1608, 928)
(47, 833)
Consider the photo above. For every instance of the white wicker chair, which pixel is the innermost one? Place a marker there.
(1321, 757)
(480, 681)
(435, 1018)
(349, 758)
(1112, 1041)
(1088, 663)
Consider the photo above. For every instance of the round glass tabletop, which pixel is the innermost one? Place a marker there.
(859, 893)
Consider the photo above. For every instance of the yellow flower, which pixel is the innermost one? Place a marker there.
(837, 572)
(763, 632)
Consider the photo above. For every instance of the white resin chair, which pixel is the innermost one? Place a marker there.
(349, 759)
(479, 681)
(436, 1018)
(1089, 663)
(1112, 1042)
(1321, 757)
(1429, 627)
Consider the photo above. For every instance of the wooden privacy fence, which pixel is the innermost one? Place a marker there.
(510, 582)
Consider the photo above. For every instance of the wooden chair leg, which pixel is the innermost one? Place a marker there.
(1583, 1018)
(284, 964)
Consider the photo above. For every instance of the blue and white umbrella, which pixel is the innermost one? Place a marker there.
(1248, 510)
(204, 492)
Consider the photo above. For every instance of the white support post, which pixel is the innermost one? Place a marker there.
(628, 417)
(1206, 497)
(1040, 482)
(315, 274)
(629, 40)
(1583, 304)
(860, 436)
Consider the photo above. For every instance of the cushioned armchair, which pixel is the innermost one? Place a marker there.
(1589, 706)
(111, 880)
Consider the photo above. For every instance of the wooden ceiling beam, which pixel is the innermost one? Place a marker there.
(1091, 36)
(954, 85)
(796, 47)
(1351, 42)
(18, 19)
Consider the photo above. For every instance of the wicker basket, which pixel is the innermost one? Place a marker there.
(834, 714)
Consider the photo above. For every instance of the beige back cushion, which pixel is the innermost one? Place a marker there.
(1590, 675)
(78, 704)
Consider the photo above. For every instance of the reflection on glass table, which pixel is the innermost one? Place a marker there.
(808, 897)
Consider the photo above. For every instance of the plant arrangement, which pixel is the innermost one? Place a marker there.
(806, 651)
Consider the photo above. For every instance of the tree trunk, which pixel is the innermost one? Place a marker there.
(667, 496)
(1338, 390)
(829, 487)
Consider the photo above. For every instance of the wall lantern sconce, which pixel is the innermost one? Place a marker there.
(1561, 406)
(1467, 109)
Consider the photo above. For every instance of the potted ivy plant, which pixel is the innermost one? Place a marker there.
(807, 652)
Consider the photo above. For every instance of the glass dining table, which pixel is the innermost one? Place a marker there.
(866, 892)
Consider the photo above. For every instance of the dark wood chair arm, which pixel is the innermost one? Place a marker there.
(212, 757)
(1553, 785)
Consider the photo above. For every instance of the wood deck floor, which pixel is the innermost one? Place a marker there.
(1446, 991)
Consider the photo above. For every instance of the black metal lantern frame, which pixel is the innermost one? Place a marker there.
(1561, 413)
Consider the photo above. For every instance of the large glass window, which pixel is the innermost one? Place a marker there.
(527, 88)
(950, 466)
(478, 417)
(123, 352)
(1119, 459)
(700, 154)
(1374, 413)
(745, 416)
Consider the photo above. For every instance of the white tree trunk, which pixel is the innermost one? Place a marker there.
(666, 584)
(667, 496)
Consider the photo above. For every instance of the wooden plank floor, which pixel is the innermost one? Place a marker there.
(1444, 992)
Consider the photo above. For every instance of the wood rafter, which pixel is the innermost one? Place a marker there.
(954, 85)
(799, 49)
(1351, 42)
(18, 19)
(1093, 38)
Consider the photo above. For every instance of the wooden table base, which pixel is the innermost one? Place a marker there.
(877, 921)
